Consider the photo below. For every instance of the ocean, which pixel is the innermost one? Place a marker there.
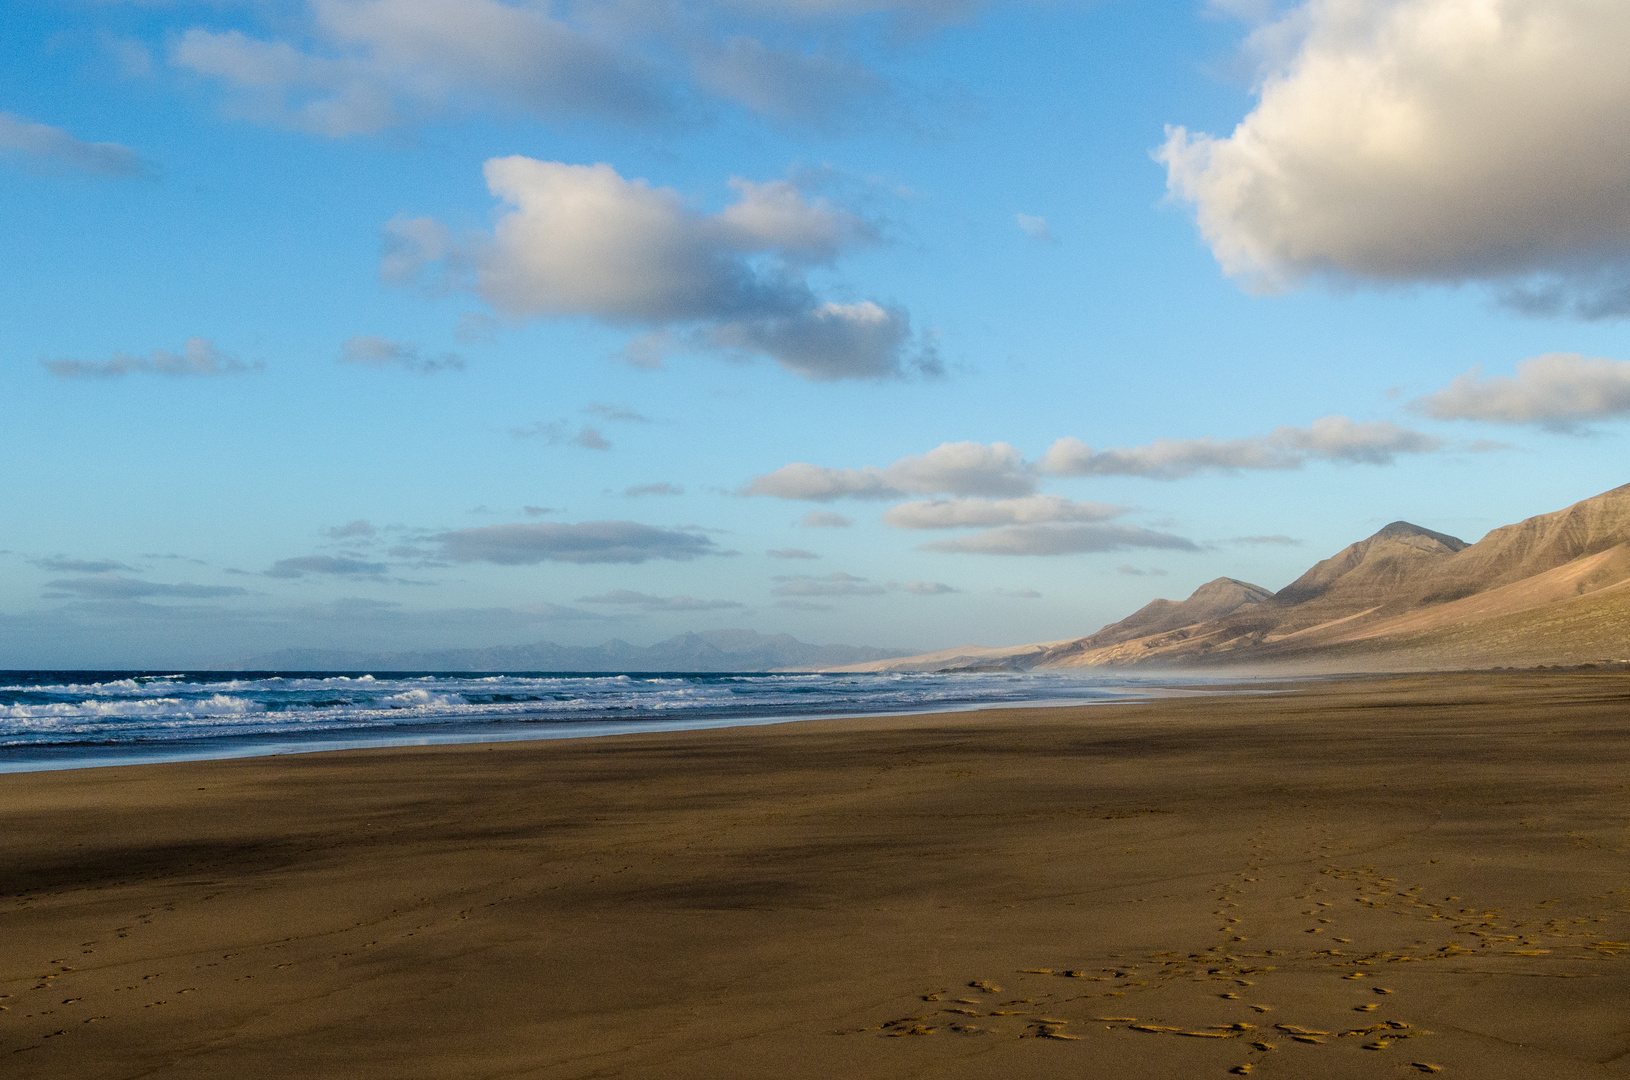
(75, 719)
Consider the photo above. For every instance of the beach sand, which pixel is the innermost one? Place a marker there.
(1359, 879)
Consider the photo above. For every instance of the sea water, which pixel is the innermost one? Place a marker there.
(57, 719)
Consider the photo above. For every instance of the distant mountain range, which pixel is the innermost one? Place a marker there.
(710, 650)
(1551, 590)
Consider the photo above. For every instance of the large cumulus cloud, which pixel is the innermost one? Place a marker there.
(583, 241)
(1429, 140)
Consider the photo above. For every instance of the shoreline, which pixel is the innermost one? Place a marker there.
(63, 757)
(1361, 875)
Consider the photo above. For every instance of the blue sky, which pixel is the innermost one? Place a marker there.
(388, 324)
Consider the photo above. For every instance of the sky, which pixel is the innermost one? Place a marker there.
(407, 324)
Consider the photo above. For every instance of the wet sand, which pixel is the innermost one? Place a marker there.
(1360, 879)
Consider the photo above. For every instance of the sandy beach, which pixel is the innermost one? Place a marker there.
(1367, 878)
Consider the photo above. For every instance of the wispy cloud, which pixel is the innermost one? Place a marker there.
(41, 146)
(660, 488)
(825, 519)
(834, 584)
(558, 432)
(1060, 540)
(647, 602)
(80, 566)
(964, 468)
(585, 542)
(1136, 571)
(964, 513)
(791, 553)
(369, 350)
(115, 587)
(351, 530)
(1557, 391)
(998, 483)
(616, 413)
(199, 356)
(330, 565)
(1333, 438)
(1034, 227)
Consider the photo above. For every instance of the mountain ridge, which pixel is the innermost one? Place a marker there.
(1553, 589)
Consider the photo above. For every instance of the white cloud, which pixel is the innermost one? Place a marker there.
(199, 356)
(42, 146)
(1332, 438)
(1034, 227)
(964, 513)
(527, 544)
(1020, 594)
(1429, 140)
(647, 602)
(1059, 540)
(791, 553)
(580, 240)
(1558, 391)
(835, 584)
(372, 351)
(963, 468)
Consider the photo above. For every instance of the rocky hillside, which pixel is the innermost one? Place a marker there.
(1554, 589)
